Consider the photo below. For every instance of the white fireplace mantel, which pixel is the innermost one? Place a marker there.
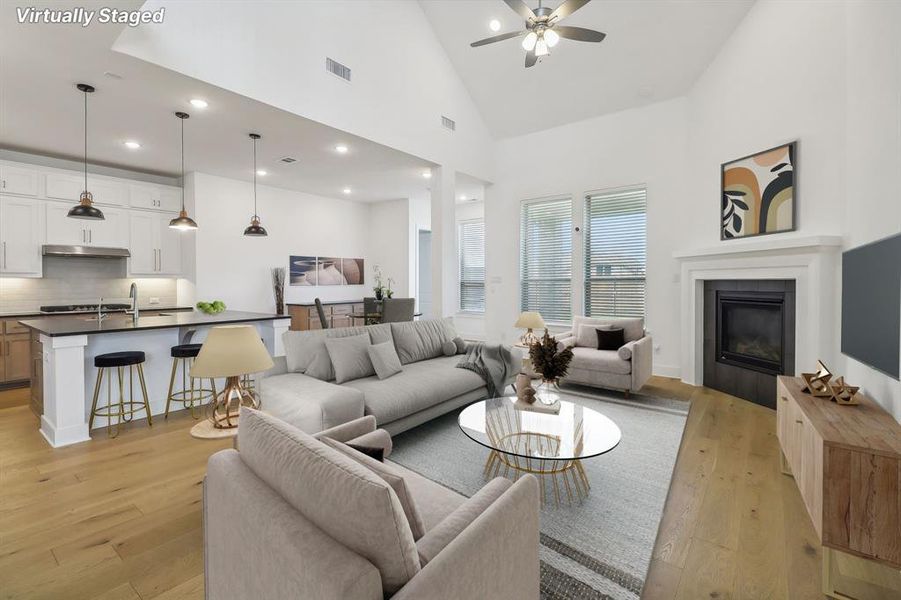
(812, 262)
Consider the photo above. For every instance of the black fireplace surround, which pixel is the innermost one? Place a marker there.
(748, 336)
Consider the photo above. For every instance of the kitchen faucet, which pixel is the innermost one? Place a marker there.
(133, 295)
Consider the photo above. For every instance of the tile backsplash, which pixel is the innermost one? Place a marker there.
(69, 280)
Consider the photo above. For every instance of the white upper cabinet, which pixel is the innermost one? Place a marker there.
(143, 196)
(22, 181)
(170, 198)
(68, 186)
(61, 230)
(155, 248)
(20, 237)
(111, 232)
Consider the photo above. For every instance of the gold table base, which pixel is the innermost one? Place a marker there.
(554, 470)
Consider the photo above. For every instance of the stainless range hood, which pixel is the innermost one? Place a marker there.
(84, 251)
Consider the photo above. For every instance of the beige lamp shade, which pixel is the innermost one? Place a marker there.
(230, 351)
(530, 320)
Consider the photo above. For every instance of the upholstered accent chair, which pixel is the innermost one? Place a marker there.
(291, 515)
(626, 369)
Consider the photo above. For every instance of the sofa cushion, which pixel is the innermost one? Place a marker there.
(309, 404)
(633, 329)
(384, 360)
(589, 359)
(433, 500)
(625, 351)
(320, 366)
(350, 357)
(587, 335)
(421, 340)
(419, 386)
(339, 495)
(610, 339)
(392, 477)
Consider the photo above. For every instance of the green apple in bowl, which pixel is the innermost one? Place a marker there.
(211, 308)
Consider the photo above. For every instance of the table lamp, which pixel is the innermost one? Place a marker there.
(529, 321)
(231, 351)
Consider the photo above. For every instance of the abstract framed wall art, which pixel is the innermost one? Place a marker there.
(302, 270)
(353, 270)
(330, 271)
(758, 193)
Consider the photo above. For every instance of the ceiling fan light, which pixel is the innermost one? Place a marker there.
(551, 37)
(541, 47)
(528, 43)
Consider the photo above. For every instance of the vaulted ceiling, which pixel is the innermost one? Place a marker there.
(654, 50)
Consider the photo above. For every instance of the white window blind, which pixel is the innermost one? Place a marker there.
(615, 253)
(472, 266)
(545, 258)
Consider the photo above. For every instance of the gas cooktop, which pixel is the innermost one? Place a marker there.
(79, 308)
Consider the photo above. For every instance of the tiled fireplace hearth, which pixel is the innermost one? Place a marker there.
(802, 271)
(749, 336)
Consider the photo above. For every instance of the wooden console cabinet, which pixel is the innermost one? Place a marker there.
(305, 317)
(846, 461)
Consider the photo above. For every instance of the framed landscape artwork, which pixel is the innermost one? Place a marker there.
(757, 193)
(302, 270)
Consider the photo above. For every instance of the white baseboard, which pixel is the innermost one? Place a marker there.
(667, 371)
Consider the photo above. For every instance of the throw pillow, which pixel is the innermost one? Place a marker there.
(586, 336)
(460, 343)
(449, 348)
(384, 359)
(625, 351)
(350, 357)
(370, 451)
(610, 339)
(393, 477)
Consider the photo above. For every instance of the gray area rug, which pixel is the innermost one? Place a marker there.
(601, 547)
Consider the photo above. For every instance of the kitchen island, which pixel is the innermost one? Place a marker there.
(69, 345)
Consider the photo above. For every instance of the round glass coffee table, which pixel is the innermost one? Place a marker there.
(551, 446)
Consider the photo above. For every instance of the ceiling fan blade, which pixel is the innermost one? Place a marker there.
(498, 38)
(521, 8)
(531, 59)
(580, 34)
(566, 9)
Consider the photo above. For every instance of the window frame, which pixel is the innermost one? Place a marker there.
(522, 255)
(460, 281)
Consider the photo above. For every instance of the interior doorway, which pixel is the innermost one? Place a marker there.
(424, 272)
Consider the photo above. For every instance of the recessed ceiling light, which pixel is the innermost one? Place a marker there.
(427, 174)
(346, 190)
(261, 172)
(341, 149)
(132, 145)
(198, 103)
(494, 25)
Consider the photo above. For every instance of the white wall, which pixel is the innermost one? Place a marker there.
(873, 150)
(235, 269)
(641, 146)
(390, 235)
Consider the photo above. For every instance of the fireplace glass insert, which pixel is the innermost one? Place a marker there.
(750, 330)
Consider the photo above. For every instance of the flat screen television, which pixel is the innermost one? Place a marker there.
(871, 304)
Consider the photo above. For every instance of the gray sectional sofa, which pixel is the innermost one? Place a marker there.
(303, 388)
(626, 369)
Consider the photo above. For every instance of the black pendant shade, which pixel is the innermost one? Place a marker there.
(255, 229)
(85, 208)
(182, 222)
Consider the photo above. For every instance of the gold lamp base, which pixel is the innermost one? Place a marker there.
(227, 405)
(528, 338)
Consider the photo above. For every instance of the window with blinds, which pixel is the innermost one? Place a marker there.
(615, 253)
(472, 266)
(545, 258)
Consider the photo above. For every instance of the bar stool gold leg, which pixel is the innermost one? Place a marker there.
(96, 396)
(144, 391)
(175, 362)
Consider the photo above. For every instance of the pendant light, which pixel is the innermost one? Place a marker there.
(182, 222)
(85, 208)
(255, 229)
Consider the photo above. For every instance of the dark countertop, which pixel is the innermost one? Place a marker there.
(36, 313)
(325, 302)
(117, 322)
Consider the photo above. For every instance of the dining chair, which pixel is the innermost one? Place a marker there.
(370, 307)
(322, 319)
(396, 310)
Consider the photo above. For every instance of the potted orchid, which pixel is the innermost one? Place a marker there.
(378, 288)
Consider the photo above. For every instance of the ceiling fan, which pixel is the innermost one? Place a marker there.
(543, 30)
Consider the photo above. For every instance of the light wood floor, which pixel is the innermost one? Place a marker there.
(120, 519)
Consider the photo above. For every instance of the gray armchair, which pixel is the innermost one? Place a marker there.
(626, 369)
(289, 516)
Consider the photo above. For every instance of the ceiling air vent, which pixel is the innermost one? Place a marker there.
(288, 159)
(336, 68)
(448, 123)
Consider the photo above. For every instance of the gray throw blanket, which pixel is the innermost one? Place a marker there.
(494, 363)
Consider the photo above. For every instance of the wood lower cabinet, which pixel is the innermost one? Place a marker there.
(846, 461)
(304, 316)
(37, 374)
(15, 353)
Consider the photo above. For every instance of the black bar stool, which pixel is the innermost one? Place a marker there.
(123, 410)
(192, 397)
